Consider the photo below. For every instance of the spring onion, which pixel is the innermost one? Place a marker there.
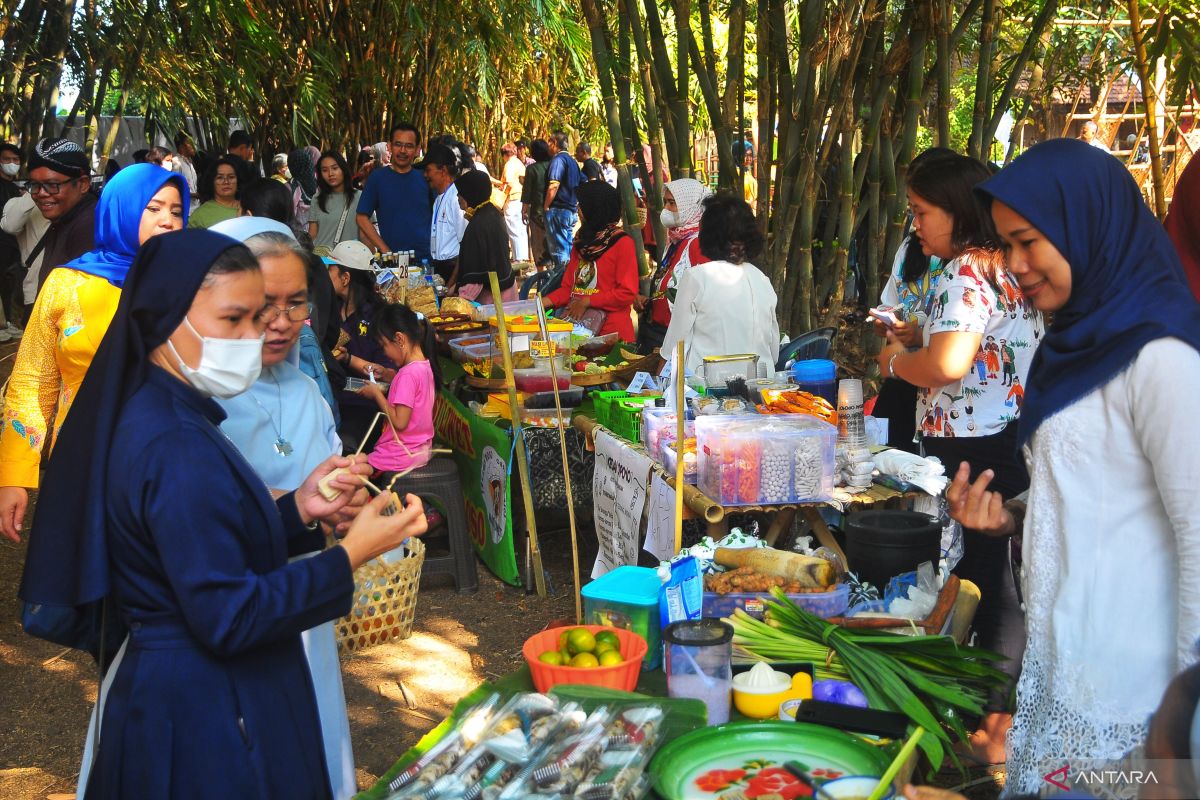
(930, 679)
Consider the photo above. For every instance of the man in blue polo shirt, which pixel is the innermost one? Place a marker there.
(562, 178)
(399, 198)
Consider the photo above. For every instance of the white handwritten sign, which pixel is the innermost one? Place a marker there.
(660, 526)
(619, 497)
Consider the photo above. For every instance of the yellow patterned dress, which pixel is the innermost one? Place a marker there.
(71, 315)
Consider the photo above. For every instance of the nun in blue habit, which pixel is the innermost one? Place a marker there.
(178, 535)
(284, 427)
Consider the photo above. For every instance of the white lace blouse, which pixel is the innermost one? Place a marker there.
(1112, 565)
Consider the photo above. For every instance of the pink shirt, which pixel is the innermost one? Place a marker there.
(412, 387)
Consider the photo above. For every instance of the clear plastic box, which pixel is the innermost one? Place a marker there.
(660, 427)
(516, 308)
(765, 459)
(823, 604)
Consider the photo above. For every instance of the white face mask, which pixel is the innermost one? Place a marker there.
(227, 368)
(670, 219)
(10, 169)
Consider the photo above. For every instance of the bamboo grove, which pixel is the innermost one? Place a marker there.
(840, 93)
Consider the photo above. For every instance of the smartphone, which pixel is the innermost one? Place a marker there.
(884, 315)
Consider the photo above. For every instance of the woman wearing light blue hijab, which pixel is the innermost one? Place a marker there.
(69, 318)
(1111, 540)
(283, 426)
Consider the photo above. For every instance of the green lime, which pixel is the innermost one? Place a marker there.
(604, 647)
(610, 658)
(610, 637)
(580, 640)
(551, 657)
(585, 661)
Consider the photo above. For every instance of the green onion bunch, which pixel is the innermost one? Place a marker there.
(932, 680)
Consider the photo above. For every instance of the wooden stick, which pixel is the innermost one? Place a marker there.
(370, 430)
(539, 579)
(680, 406)
(562, 443)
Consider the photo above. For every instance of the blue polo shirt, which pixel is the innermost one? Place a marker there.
(402, 207)
(564, 169)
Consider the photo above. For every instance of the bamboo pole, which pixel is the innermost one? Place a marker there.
(679, 428)
(1149, 102)
(535, 549)
(562, 444)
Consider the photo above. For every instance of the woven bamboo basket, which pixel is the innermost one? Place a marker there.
(385, 601)
(641, 214)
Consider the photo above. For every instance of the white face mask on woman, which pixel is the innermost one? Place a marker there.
(670, 219)
(10, 169)
(227, 368)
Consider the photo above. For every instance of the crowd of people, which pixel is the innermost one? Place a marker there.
(1039, 342)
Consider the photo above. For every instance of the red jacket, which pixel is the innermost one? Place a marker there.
(660, 308)
(611, 284)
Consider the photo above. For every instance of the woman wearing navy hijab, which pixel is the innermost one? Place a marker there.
(68, 321)
(1111, 541)
(179, 536)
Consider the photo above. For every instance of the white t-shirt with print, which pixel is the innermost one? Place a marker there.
(992, 393)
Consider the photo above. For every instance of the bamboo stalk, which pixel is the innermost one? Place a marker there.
(1150, 101)
(514, 402)
(562, 444)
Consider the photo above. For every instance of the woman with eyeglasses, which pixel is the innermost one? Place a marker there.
(69, 318)
(220, 193)
(158, 516)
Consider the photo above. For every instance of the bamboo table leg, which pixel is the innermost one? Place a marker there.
(782, 521)
(813, 517)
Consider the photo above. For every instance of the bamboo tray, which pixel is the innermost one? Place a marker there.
(475, 382)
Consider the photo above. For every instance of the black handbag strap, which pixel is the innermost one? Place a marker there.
(37, 250)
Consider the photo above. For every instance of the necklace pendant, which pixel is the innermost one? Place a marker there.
(283, 447)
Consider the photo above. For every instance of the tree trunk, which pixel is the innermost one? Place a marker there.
(1032, 39)
(978, 146)
(683, 129)
(943, 73)
(652, 103)
(601, 52)
(1150, 99)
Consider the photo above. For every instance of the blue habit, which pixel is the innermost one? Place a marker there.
(213, 697)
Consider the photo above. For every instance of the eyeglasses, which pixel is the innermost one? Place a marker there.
(225, 178)
(49, 187)
(297, 313)
(404, 146)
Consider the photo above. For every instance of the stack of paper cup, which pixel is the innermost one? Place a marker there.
(853, 456)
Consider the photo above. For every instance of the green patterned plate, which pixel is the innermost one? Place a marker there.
(746, 759)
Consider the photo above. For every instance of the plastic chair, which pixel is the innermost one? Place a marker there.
(814, 344)
(439, 479)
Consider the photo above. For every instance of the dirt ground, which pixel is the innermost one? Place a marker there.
(458, 642)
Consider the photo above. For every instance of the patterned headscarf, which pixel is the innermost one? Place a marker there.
(689, 197)
(61, 155)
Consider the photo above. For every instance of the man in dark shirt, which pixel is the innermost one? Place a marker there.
(562, 178)
(60, 178)
(589, 166)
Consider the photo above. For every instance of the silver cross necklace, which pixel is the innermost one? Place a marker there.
(281, 446)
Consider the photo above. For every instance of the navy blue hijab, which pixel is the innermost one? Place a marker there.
(67, 562)
(1127, 286)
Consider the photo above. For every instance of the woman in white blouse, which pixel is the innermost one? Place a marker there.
(727, 305)
(1111, 537)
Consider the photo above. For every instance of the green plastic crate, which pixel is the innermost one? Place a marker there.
(625, 418)
(604, 402)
